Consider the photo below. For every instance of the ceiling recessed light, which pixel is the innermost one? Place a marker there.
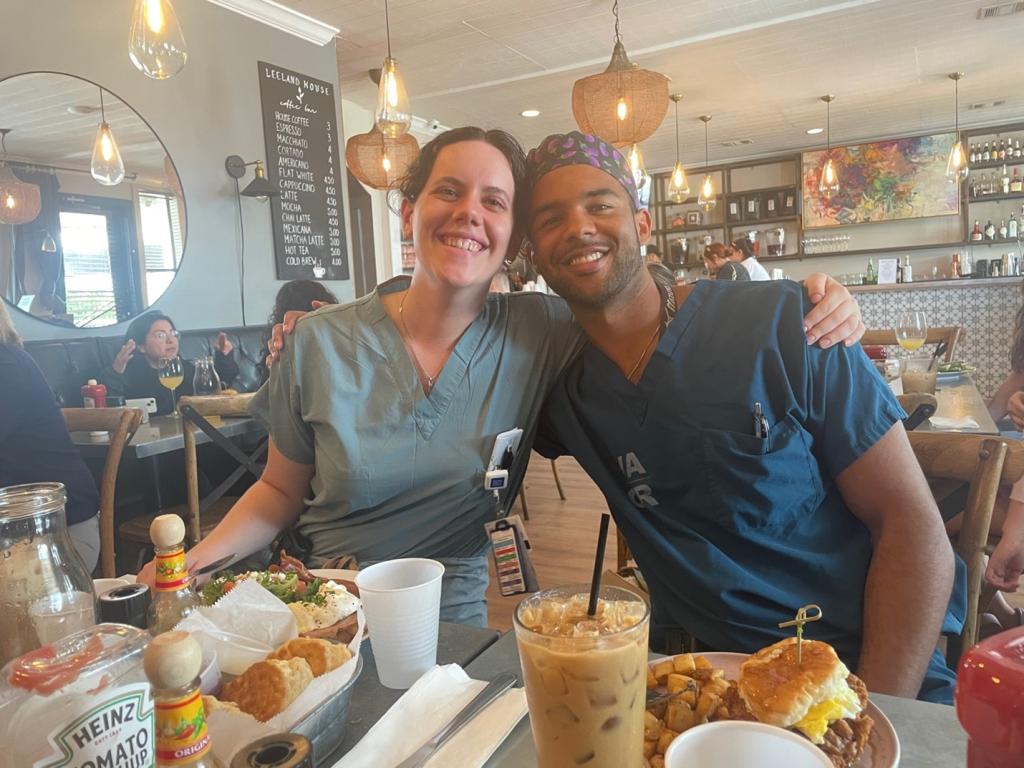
(530, 113)
(815, 131)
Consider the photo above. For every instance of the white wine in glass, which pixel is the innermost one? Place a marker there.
(911, 330)
(172, 373)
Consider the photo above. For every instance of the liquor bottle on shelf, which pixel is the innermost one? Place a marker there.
(1006, 180)
(972, 156)
(990, 230)
(872, 277)
(907, 271)
(1016, 185)
(976, 232)
(1016, 149)
(985, 154)
(1002, 230)
(899, 270)
(1012, 226)
(1002, 149)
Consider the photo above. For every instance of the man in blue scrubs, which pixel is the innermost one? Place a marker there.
(751, 472)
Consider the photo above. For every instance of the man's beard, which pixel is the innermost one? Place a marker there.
(626, 262)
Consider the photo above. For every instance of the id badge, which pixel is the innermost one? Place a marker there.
(507, 564)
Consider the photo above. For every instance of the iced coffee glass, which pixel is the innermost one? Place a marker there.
(585, 676)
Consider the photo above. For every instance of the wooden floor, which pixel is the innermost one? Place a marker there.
(563, 534)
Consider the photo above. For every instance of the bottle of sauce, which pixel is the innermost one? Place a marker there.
(172, 662)
(173, 596)
(94, 395)
(989, 695)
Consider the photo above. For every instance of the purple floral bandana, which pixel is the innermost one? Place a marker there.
(574, 148)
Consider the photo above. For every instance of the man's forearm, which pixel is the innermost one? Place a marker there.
(905, 599)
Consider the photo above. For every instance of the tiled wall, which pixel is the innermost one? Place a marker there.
(987, 314)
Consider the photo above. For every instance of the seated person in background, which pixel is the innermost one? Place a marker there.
(652, 256)
(733, 271)
(717, 255)
(35, 446)
(748, 479)
(301, 295)
(150, 339)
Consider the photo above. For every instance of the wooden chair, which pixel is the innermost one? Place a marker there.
(201, 515)
(121, 423)
(886, 337)
(989, 465)
(558, 485)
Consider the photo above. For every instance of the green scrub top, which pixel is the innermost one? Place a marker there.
(399, 473)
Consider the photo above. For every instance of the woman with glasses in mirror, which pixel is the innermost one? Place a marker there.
(151, 339)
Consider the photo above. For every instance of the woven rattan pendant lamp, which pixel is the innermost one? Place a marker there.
(20, 202)
(624, 104)
(377, 161)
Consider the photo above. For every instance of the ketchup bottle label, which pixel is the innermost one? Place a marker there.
(181, 732)
(171, 572)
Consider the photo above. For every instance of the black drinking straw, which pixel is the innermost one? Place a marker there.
(595, 582)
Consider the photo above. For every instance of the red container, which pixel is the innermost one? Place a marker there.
(94, 395)
(876, 353)
(990, 701)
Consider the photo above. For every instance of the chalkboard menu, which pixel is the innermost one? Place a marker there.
(301, 134)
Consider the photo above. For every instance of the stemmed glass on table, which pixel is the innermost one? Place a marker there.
(171, 374)
(911, 330)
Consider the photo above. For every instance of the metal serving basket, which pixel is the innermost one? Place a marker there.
(325, 725)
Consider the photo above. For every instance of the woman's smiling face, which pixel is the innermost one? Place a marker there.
(461, 223)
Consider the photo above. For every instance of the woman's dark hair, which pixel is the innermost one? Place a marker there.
(138, 330)
(415, 179)
(300, 295)
(742, 245)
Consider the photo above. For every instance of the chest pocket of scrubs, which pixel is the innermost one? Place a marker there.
(762, 484)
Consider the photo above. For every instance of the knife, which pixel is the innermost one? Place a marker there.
(491, 691)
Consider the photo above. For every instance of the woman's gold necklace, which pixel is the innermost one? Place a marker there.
(420, 370)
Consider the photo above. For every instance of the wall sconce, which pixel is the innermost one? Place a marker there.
(260, 187)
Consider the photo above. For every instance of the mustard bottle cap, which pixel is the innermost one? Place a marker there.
(167, 531)
(172, 660)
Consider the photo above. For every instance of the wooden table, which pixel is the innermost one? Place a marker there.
(961, 399)
(930, 735)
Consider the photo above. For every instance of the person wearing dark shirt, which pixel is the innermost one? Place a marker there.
(150, 339)
(35, 446)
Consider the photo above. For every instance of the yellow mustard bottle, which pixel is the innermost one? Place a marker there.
(173, 596)
(172, 662)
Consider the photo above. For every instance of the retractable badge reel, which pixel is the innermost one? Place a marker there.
(507, 535)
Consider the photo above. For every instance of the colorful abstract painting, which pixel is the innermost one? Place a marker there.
(881, 181)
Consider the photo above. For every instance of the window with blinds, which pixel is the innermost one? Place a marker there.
(160, 227)
(88, 285)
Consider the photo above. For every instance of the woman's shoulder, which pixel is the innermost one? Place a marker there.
(537, 310)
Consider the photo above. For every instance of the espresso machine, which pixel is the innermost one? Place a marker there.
(775, 241)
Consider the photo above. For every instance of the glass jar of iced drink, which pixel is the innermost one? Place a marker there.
(585, 676)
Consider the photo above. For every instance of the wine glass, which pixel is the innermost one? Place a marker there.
(911, 330)
(171, 374)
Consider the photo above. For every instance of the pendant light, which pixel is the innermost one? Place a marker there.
(706, 200)
(49, 245)
(678, 184)
(378, 161)
(624, 104)
(393, 116)
(637, 166)
(956, 167)
(20, 202)
(156, 45)
(828, 184)
(107, 167)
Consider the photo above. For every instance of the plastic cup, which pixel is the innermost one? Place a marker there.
(585, 678)
(731, 743)
(402, 603)
(918, 375)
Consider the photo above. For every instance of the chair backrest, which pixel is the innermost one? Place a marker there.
(196, 412)
(988, 464)
(886, 337)
(121, 423)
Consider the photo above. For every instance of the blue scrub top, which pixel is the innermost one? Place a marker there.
(733, 532)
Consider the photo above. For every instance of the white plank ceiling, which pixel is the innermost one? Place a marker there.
(757, 66)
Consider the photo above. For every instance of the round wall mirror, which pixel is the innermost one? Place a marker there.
(92, 216)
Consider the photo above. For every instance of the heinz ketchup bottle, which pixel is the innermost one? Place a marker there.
(990, 701)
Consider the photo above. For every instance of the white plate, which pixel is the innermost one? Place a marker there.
(883, 747)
